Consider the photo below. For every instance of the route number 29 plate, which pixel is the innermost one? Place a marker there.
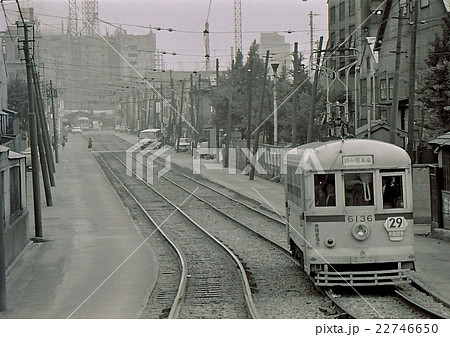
(395, 226)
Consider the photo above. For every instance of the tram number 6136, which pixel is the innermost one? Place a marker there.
(360, 218)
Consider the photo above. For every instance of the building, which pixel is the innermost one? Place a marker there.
(360, 55)
(87, 70)
(278, 47)
(13, 202)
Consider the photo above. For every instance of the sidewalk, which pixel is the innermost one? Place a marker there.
(90, 234)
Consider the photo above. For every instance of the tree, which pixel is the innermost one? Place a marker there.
(18, 100)
(434, 92)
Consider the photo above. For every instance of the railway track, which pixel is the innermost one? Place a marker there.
(279, 288)
(212, 200)
(213, 282)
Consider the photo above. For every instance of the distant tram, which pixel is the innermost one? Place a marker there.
(349, 207)
(83, 122)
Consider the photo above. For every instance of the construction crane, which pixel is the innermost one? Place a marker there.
(237, 26)
(206, 39)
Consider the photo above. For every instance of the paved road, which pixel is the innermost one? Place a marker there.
(91, 234)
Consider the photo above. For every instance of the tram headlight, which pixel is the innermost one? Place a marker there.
(360, 231)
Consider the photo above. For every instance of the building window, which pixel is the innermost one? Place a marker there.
(364, 91)
(352, 34)
(383, 89)
(391, 88)
(14, 191)
(332, 39)
(341, 11)
(351, 7)
(341, 35)
(368, 62)
(332, 14)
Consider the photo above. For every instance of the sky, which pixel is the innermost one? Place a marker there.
(187, 18)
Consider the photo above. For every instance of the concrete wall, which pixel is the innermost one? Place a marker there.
(16, 237)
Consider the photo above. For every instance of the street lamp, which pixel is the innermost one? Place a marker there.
(275, 106)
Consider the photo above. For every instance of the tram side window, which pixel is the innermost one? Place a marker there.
(324, 190)
(392, 191)
(358, 189)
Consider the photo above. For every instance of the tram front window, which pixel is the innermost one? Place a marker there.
(358, 189)
(392, 191)
(324, 190)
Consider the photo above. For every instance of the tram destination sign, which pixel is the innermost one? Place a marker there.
(357, 160)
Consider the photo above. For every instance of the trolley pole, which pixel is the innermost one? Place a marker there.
(33, 135)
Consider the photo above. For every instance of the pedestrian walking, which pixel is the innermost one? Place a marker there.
(90, 144)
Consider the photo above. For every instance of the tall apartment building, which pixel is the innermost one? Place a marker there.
(360, 57)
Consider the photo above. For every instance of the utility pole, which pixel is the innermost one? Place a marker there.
(53, 95)
(180, 117)
(33, 133)
(172, 108)
(311, 39)
(258, 119)
(275, 106)
(309, 137)
(45, 165)
(249, 108)
(45, 133)
(3, 303)
(398, 51)
(294, 97)
(217, 122)
(412, 81)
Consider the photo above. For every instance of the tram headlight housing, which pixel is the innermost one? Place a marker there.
(360, 231)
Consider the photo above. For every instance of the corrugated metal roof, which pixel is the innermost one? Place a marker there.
(443, 140)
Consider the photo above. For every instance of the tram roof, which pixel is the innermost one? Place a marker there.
(349, 154)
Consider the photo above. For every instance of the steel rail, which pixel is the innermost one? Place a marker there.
(183, 280)
(247, 291)
(416, 305)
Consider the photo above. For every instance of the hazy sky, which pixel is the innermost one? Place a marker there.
(187, 18)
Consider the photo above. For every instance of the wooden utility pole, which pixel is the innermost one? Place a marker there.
(412, 81)
(45, 132)
(54, 94)
(217, 122)
(312, 112)
(172, 120)
(259, 118)
(45, 165)
(40, 114)
(191, 103)
(3, 303)
(226, 157)
(398, 52)
(33, 134)
(180, 117)
(249, 108)
(294, 97)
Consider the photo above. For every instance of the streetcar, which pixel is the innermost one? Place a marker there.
(349, 209)
(83, 123)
